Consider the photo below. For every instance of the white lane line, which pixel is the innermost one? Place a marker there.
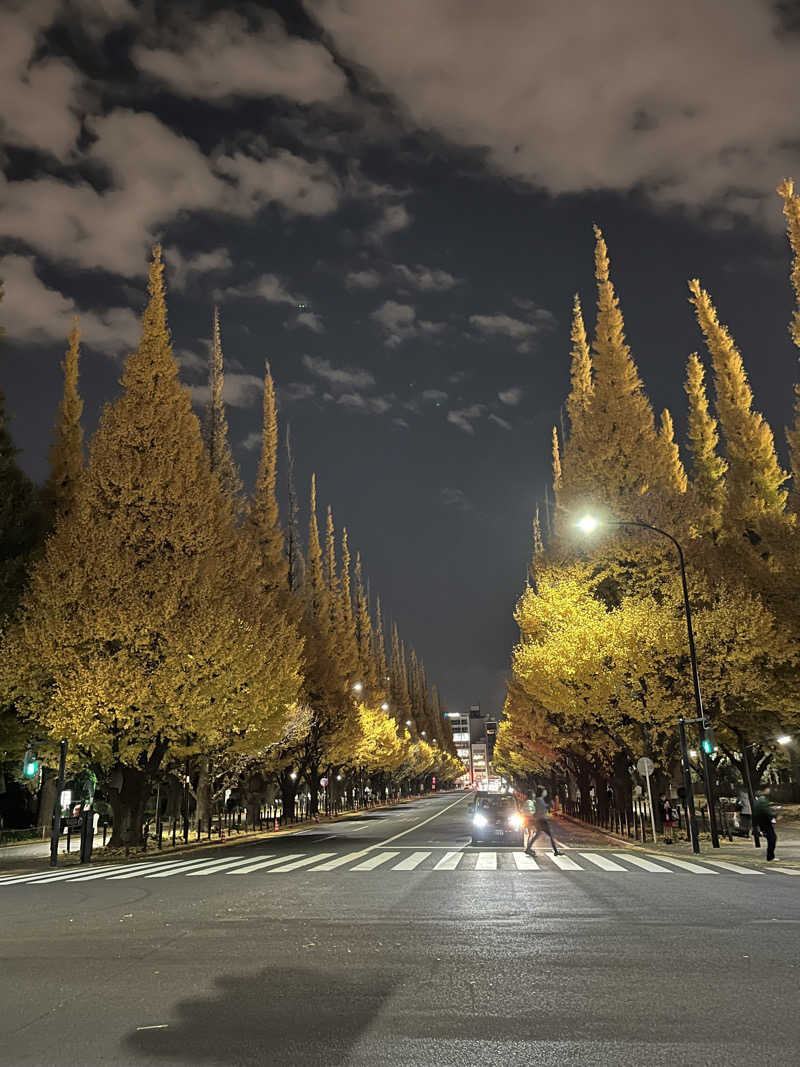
(735, 868)
(161, 870)
(603, 862)
(410, 862)
(693, 868)
(266, 863)
(565, 863)
(449, 861)
(784, 870)
(299, 863)
(374, 861)
(487, 861)
(646, 865)
(219, 865)
(331, 865)
(525, 863)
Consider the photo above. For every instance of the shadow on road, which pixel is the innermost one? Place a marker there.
(272, 1017)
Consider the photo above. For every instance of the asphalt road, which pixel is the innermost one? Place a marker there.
(388, 940)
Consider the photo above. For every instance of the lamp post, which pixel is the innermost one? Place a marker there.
(587, 525)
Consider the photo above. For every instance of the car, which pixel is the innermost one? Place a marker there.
(496, 817)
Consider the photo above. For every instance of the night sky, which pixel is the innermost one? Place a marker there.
(393, 203)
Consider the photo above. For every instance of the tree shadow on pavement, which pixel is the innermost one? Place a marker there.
(290, 1016)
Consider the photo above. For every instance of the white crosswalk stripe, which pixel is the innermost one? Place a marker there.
(685, 865)
(377, 860)
(603, 862)
(646, 865)
(525, 863)
(411, 862)
(449, 861)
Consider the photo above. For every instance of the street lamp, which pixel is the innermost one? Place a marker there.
(587, 524)
(784, 739)
(408, 722)
(358, 687)
(384, 706)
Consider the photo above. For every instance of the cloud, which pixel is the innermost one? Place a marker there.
(311, 320)
(464, 417)
(239, 390)
(399, 323)
(33, 313)
(456, 498)
(503, 423)
(299, 391)
(40, 95)
(434, 396)
(394, 217)
(511, 397)
(252, 442)
(229, 56)
(338, 377)
(362, 279)
(267, 287)
(153, 175)
(367, 405)
(517, 330)
(198, 263)
(586, 97)
(426, 279)
(400, 423)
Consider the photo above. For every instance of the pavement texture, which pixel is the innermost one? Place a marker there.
(331, 951)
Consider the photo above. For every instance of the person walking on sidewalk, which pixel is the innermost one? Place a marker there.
(764, 819)
(540, 823)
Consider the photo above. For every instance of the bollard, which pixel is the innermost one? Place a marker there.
(69, 836)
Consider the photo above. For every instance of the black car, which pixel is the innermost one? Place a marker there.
(496, 817)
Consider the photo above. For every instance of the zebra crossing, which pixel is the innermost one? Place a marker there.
(402, 861)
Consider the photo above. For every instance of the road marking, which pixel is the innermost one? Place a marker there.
(784, 870)
(525, 863)
(565, 863)
(603, 862)
(487, 861)
(194, 866)
(732, 867)
(449, 861)
(299, 863)
(410, 862)
(684, 865)
(40, 878)
(266, 863)
(374, 861)
(646, 865)
(333, 864)
(164, 869)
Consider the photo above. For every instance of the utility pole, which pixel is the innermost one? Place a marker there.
(687, 781)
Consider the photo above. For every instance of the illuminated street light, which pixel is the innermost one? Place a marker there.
(384, 706)
(408, 722)
(693, 753)
(358, 687)
(587, 524)
(784, 739)
(293, 775)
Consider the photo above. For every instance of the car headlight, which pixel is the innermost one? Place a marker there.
(479, 820)
(515, 822)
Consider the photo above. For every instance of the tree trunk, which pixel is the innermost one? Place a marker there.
(312, 777)
(288, 786)
(203, 795)
(128, 803)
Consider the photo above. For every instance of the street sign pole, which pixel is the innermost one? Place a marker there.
(646, 767)
(687, 781)
(55, 832)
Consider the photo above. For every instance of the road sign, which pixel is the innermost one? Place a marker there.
(324, 783)
(645, 766)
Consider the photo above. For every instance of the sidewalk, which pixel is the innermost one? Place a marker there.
(741, 850)
(38, 849)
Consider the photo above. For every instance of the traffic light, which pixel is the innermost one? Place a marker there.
(30, 765)
(708, 743)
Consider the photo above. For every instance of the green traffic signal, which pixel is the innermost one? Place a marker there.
(31, 768)
(708, 747)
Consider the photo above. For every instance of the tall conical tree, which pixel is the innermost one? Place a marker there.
(144, 625)
(20, 522)
(578, 401)
(708, 468)
(348, 647)
(316, 586)
(400, 697)
(791, 209)
(66, 452)
(557, 477)
(294, 554)
(380, 645)
(672, 475)
(619, 448)
(755, 479)
(367, 666)
(538, 548)
(215, 424)
(263, 517)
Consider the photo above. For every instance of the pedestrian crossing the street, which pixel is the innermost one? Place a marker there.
(376, 861)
